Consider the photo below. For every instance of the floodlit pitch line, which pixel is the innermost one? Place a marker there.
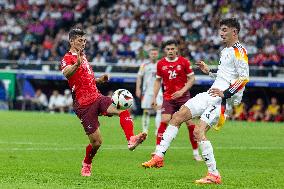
(119, 147)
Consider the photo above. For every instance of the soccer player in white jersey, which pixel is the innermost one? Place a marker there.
(147, 76)
(214, 105)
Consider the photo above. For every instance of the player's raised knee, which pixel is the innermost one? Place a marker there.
(178, 118)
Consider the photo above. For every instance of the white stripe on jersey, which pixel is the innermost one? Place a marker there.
(236, 85)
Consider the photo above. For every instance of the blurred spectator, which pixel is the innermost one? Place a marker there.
(56, 102)
(68, 101)
(280, 117)
(240, 112)
(272, 111)
(39, 101)
(130, 27)
(256, 112)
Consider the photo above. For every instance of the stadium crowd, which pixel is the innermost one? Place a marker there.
(273, 111)
(122, 31)
(55, 103)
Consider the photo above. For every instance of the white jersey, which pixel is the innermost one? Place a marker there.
(231, 77)
(233, 71)
(148, 73)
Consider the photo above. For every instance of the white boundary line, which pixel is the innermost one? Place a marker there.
(120, 147)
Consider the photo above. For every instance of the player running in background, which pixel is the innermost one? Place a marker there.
(147, 76)
(214, 105)
(89, 103)
(177, 76)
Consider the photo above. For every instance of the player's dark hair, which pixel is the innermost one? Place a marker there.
(170, 42)
(154, 49)
(76, 32)
(232, 23)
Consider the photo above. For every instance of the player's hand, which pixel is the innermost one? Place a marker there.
(154, 103)
(79, 58)
(216, 92)
(203, 67)
(102, 79)
(138, 93)
(177, 94)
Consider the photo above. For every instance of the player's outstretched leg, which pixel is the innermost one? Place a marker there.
(127, 126)
(136, 140)
(145, 120)
(169, 135)
(91, 150)
(158, 120)
(162, 128)
(213, 176)
(194, 144)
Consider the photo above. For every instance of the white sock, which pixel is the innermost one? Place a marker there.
(145, 121)
(195, 152)
(158, 120)
(168, 136)
(208, 156)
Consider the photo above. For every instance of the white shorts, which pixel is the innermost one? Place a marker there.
(146, 102)
(205, 106)
(159, 99)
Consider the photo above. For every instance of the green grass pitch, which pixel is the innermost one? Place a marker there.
(39, 150)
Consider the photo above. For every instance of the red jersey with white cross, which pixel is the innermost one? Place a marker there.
(174, 74)
(83, 82)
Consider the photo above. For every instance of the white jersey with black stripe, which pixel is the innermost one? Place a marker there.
(233, 71)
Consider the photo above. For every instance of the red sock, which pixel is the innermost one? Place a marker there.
(90, 153)
(126, 124)
(193, 142)
(161, 130)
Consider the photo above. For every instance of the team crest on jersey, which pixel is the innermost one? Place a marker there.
(63, 63)
(164, 67)
(178, 67)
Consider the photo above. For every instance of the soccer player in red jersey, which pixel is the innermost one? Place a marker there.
(88, 102)
(177, 77)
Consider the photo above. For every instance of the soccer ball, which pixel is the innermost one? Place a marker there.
(122, 99)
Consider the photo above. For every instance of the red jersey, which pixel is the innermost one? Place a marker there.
(83, 82)
(174, 74)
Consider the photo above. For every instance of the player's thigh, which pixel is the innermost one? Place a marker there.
(106, 107)
(166, 118)
(96, 138)
(146, 102)
(197, 104)
(89, 117)
(181, 116)
(212, 114)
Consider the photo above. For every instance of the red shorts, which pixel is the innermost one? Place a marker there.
(89, 114)
(172, 106)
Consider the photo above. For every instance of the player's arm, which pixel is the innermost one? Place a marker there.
(190, 80)
(139, 81)
(157, 86)
(138, 86)
(205, 69)
(102, 79)
(241, 64)
(187, 86)
(71, 69)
